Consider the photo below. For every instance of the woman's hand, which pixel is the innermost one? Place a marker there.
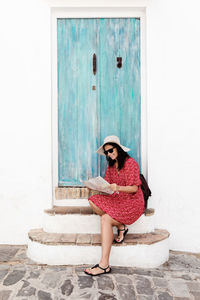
(114, 187)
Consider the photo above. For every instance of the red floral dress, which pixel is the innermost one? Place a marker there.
(126, 208)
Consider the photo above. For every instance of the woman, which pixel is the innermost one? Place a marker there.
(124, 206)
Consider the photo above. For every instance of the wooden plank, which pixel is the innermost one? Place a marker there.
(108, 83)
(130, 94)
(120, 87)
(77, 122)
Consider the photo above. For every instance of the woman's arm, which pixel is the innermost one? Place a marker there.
(126, 189)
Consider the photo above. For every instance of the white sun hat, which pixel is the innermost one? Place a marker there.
(111, 139)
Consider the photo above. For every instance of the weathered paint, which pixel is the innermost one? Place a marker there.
(92, 106)
(119, 92)
(77, 103)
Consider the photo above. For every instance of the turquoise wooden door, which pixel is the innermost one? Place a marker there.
(96, 97)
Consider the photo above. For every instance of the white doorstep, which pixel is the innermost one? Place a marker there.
(77, 223)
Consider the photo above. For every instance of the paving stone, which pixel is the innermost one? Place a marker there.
(34, 274)
(122, 270)
(60, 268)
(160, 282)
(154, 273)
(126, 292)
(186, 277)
(193, 286)
(178, 274)
(121, 279)
(178, 288)
(34, 269)
(164, 296)
(103, 296)
(80, 269)
(182, 268)
(85, 295)
(4, 295)
(143, 286)
(44, 296)
(51, 279)
(7, 253)
(3, 273)
(21, 254)
(184, 261)
(105, 283)
(85, 281)
(142, 272)
(26, 290)
(4, 266)
(181, 298)
(14, 277)
(68, 270)
(67, 287)
(145, 297)
(19, 266)
(196, 295)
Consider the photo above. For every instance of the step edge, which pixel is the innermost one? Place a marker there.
(164, 234)
(51, 211)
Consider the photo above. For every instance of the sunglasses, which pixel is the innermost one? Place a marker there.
(109, 151)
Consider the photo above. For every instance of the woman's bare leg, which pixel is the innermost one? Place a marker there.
(106, 242)
(106, 238)
(96, 209)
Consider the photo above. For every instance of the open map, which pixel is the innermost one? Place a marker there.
(98, 184)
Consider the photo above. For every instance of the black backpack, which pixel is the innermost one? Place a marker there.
(145, 189)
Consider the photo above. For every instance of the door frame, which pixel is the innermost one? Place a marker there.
(96, 12)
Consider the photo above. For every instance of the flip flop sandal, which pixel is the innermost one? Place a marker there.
(124, 234)
(98, 266)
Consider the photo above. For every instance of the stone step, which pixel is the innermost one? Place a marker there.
(81, 219)
(138, 250)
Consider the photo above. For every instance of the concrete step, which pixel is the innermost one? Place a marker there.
(138, 250)
(81, 219)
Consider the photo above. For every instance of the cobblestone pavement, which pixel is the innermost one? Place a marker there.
(21, 278)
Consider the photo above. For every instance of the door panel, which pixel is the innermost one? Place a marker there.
(77, 105)
(87, 115)
(120, 87)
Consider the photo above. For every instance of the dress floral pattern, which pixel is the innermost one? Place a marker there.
(126, 208)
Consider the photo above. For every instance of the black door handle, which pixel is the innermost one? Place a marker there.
(119, 62)
(94, 64)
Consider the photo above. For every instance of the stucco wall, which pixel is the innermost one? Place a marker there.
(173, 47)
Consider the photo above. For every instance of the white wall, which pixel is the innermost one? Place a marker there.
(173, 47)
(25, 118)
(173, 30)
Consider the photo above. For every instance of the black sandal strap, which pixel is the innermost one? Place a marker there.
(122, 229)
(98, 266)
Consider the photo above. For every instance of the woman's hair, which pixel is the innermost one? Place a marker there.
(122, 155)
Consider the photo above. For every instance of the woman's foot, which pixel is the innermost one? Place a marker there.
(121, 233)
(97, 270)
